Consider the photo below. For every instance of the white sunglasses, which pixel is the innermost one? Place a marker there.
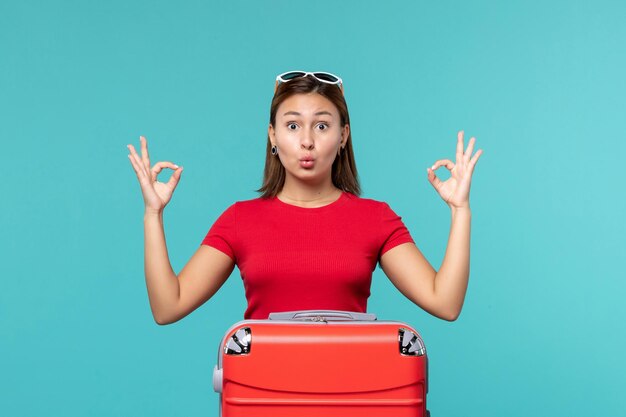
(325, 77)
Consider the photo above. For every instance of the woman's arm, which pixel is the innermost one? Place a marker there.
(161, 281)
(172, 297)
(440, 293)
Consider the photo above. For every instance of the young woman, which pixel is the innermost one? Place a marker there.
(309, 241)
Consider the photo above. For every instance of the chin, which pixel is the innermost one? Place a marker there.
(307, 176)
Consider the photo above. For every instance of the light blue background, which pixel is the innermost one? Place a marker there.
(541, 86)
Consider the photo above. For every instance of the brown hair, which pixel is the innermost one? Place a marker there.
(344, 174)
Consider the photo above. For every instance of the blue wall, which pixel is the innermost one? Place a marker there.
(541, 86)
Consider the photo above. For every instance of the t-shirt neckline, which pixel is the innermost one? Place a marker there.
(328, 206)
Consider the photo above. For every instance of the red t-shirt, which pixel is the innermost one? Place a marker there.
(296, 258)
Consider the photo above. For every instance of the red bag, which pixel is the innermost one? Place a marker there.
(321, 363)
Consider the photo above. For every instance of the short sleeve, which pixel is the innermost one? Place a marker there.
(223, 234)
(392, 229)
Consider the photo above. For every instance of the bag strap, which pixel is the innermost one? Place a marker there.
(322, 315)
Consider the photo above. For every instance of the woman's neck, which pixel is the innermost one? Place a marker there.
(308, 196)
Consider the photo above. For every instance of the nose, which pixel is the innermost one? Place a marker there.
(307, 140)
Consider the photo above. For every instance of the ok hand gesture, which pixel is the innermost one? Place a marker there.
(455, 190)
(156, 194)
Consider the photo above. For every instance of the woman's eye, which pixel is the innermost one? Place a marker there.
(290, 125)
(323, 126)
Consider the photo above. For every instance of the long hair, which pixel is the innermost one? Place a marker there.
(344, 174)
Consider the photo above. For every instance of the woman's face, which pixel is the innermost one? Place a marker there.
(308, 134)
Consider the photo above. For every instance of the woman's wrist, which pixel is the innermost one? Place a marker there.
(149, 214)
(463, 210)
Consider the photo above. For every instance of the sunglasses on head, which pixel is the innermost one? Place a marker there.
(325, 77)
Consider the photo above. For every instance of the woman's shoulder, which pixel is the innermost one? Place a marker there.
(364, 202)
(356, 202)
(251, 204)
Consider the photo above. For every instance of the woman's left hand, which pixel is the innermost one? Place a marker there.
(455, 190)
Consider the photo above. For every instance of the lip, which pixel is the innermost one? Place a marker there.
(307, 162)
(307, 158)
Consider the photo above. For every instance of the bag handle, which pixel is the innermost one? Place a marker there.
(322, 315)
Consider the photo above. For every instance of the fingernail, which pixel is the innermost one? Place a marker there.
(433, 167)
(175, 165)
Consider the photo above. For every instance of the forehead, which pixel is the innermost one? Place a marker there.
(307, 105)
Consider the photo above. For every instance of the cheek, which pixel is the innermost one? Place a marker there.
(285, 137)
(332, 146)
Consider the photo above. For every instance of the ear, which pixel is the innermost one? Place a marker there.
(270, 133)
(345, 132)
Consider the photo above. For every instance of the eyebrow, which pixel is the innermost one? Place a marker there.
(295, 113)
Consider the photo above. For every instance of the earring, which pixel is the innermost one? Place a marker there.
(274, 150)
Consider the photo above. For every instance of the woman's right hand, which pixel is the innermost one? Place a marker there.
(156, 194)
